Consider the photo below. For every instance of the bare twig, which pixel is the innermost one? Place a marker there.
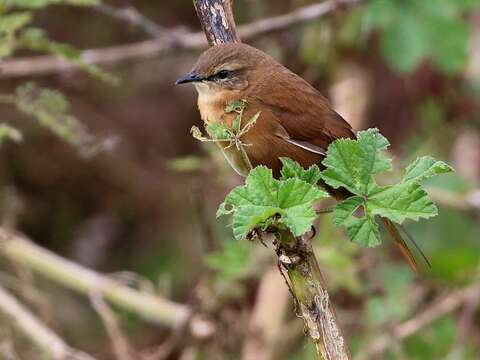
(47, 341)
(436, 310)
(131, 16)
(167, 42)
(120, 344)
(73, 276)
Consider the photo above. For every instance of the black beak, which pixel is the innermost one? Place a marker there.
(190, 77)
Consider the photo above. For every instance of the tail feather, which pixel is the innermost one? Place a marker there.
(412, 240)
(407, 254)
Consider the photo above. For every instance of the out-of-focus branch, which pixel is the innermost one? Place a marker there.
(166, 42)
(436, 310)
(121, 346)
(49, 343)
(75, 277)
(131, 16)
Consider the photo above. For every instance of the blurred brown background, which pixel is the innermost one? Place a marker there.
(146, 203)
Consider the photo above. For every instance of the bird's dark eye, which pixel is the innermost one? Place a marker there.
(223, 74)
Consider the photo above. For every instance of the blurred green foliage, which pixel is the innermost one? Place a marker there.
(50, 108)
(412, 31)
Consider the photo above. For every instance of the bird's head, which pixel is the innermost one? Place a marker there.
(226, 68)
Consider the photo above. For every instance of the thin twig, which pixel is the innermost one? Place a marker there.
(47, 341)
(121, 347)
(167, 42)
(131, 16)
(434, 311)
(73, 276)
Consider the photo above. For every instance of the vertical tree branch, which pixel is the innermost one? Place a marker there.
(296, 257)
(216, 18)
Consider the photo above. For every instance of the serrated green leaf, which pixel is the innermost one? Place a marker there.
(292, 192)
(248, 217)
(254, 204)
(371, 142)
(342, 165)
(425, 167)
(401, 201)
(364, 231)
(344, 210)
(292, 169)
(296, 197)
(352, 164)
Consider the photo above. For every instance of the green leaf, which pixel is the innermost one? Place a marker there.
(265, 201)
(425, 167)
(344, 210)
(219, 131)
(248, 217)
(400, 202)
(364, 231)
(352, 164)
(292, 169)
(296, 197)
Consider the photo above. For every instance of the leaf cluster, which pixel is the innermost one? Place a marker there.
(264, 201)
(286, 203)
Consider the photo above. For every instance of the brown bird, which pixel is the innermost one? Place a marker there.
(295, 120)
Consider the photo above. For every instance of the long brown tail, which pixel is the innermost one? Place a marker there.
(407, 254)
(342, 194)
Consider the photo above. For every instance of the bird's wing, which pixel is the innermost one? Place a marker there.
(305, 116)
